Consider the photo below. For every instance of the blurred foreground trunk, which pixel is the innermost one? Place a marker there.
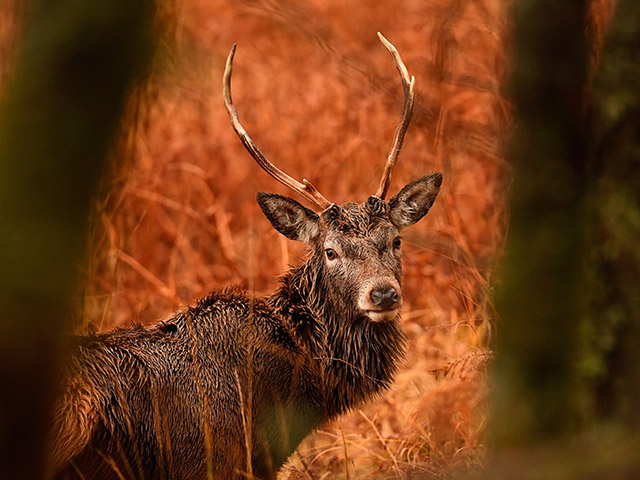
(59, 116)
(542, 277)
(567, 380)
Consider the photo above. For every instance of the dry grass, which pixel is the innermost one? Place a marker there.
(321, 97)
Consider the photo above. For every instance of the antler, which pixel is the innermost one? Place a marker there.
(407, 109)
(306, 189)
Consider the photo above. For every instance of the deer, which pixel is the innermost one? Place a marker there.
(228, 388)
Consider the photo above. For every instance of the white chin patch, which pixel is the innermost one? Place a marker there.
(381, 316)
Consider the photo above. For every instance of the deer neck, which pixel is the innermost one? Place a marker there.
(355, 357)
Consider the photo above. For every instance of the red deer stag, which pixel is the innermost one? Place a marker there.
(229, 387)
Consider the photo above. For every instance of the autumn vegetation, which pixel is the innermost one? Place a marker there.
(176, 216)
(319, 95)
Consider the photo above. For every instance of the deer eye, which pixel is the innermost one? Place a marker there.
(331, 254)
(397, 242)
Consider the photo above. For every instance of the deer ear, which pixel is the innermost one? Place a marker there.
(288, 217)
(414, 200)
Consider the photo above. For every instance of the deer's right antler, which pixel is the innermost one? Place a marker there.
(306, 189)
(408, 84)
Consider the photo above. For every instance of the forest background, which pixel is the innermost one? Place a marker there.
(530, 109)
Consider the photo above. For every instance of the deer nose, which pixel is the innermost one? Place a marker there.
(385, 298)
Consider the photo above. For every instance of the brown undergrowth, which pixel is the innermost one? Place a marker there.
(318, 93)
(321, 97)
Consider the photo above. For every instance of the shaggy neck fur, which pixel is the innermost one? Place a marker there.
(355, 357)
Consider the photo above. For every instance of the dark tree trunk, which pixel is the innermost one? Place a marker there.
(542, 278)
(73, 71)
(567, 378)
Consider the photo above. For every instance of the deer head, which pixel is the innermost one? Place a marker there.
(356, 246)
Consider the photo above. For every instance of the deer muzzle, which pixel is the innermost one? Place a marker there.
(381, 302)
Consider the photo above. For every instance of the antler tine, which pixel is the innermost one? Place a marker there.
(306, 189)
(407, 109)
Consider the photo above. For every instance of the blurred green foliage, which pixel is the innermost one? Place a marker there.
(612, 328)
